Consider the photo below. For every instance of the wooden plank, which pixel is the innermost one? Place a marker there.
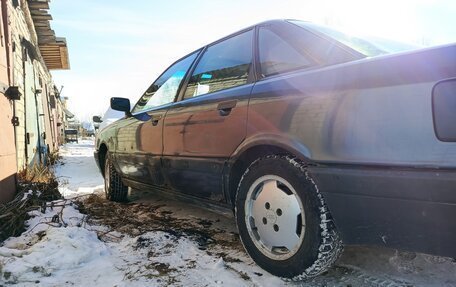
(42, 17)
(38, 1)
(57, 57)
(38, 12)
(42, 24)
(49, 53)
(57, 54)
(46, 41)
(43, 29)
(50, 46)
(45, 34)
(47, 59)
(50, 37)
(65, 58)
(46, 50)
(38, 5)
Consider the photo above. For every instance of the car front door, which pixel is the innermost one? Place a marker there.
(139, 140)
(203, 129)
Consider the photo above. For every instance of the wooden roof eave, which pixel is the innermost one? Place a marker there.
(53, 50)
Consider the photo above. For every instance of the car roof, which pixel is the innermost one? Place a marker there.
(267, 22)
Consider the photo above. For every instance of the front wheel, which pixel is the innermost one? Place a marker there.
(115, 190)
(283, 221)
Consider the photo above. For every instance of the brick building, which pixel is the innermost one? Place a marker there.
(31, 110)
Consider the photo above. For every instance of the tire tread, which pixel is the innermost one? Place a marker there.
(117, 190)
(330, 246)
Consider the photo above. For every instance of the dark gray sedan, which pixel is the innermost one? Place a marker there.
(311, 137)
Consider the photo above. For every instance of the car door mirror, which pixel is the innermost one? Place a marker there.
(121, 104)
(97, 119)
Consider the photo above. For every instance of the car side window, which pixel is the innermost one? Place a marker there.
(276, 55)
(164, 89)
(223, 65)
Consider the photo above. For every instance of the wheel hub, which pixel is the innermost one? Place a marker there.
(275, 217)
(271, 217)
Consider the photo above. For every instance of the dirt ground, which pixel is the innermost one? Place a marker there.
(217, 236)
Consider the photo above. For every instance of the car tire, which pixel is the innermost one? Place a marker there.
(283, 221)
(115, 190)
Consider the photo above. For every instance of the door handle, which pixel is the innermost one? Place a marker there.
(155, 120)
(225, 108)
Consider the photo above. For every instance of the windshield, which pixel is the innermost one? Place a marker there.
(366, 45)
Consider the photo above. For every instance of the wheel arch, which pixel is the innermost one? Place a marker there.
(102, 151)
(255, 148)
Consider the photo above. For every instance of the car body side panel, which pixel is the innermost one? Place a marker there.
(198, 140)
(139, 148)
(411, 209)
(364, 112)
(374, 117)
(195, 128)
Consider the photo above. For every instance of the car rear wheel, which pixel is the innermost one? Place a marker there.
(283, 221)
(115, 190)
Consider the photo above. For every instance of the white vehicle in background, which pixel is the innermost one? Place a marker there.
(109, 117)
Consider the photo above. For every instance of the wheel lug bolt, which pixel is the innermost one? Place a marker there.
(279, 212)
(265, 221)
(276, 227)
(267, 205)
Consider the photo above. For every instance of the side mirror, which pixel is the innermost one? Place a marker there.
(121, 104)
(97, 119)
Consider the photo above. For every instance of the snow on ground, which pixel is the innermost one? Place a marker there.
(78, 172)
(153, 241)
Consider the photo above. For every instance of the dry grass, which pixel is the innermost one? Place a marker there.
(53, 158)
(36, 186)
(36, 174)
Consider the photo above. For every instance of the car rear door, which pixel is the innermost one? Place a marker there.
(203, 129)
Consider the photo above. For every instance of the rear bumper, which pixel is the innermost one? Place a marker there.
(406, 209)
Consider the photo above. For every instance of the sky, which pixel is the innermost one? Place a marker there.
(117, 48)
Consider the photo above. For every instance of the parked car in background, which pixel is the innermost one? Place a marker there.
(71, 135)
(109, 117)
(311, 137)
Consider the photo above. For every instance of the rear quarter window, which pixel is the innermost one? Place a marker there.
(277, 56)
